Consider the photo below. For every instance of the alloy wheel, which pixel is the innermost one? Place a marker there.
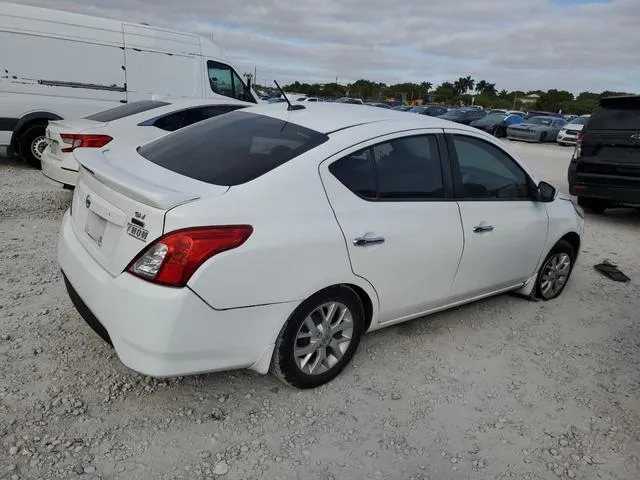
(323, 338)
(555, 274)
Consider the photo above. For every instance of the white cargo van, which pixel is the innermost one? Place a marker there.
(56, 65)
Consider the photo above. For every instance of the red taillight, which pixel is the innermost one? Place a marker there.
(579, 143)
(173, 259)
(79, 140)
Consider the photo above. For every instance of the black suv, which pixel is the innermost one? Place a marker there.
(605, 169)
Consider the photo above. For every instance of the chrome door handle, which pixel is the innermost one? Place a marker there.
(483, 228)
(364, 241)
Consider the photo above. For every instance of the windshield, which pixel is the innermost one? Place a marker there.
(454, 113)
(579, 121)
(495, 117)
(540, 120)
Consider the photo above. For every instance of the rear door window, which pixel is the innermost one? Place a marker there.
(125, 110)
(231, 149)
(407, 168)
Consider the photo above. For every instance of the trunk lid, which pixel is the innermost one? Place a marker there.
(120, 202)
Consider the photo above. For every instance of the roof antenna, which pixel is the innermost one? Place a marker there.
(290, 107)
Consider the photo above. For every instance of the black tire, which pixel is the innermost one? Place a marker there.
(542, 137)
(29, 139)
(283, 363)
(562, 247)
(592, 205)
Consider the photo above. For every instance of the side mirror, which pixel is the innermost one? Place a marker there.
(546, 192)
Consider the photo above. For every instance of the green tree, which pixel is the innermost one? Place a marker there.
(554, 100)
(446, 92)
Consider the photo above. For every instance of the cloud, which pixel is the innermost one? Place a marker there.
(517, 44)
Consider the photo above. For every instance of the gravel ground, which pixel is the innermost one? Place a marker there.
(503, 388)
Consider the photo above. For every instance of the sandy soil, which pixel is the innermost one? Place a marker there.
(503, 388)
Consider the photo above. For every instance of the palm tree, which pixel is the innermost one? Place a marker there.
(469, 83)
(490, 89)
(503, 93)
(426, 86)
(481, 86)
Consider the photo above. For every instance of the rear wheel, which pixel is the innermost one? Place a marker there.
(592, 205)
(555, 271)
(32, 144)
(319, 338)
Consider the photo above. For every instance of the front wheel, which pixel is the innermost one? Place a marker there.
(32, 144)
(555, 271)
(319, 339)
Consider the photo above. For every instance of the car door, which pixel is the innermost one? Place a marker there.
(505, 230)
(393, 201)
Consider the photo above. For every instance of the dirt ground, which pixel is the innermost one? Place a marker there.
(503, 388)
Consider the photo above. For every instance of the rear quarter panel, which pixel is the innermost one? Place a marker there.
(296, 247)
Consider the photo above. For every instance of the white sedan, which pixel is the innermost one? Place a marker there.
(134, 123)
(273, 239)
(568, 135)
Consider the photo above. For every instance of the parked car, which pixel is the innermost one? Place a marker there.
(463, 115)
(536, 129)
(354, 101)
(605, 169)
(490, 122)
(58, 65)
(511, 119)
(137, 122)
(431, 110)
(568, 134)
(179, 252)
(402, 108)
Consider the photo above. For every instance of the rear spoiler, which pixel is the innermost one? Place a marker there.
(94, 162)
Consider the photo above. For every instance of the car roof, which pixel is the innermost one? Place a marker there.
(331, 117)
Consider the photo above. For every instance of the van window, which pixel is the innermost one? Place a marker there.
(223, 80)
(125, 110)
(231, 149)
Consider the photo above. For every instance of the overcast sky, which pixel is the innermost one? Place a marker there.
(518, 44)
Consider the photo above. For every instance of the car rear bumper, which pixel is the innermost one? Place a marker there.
(62, 171)
(599, 189)
(161, 331)
(621, 195)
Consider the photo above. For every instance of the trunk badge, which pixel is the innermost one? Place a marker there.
(87, 201)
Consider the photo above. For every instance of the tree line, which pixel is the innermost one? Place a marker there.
(463, 91)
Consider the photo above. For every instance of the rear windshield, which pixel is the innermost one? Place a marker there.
(231, 149)
(616, 117)
(125, 110)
